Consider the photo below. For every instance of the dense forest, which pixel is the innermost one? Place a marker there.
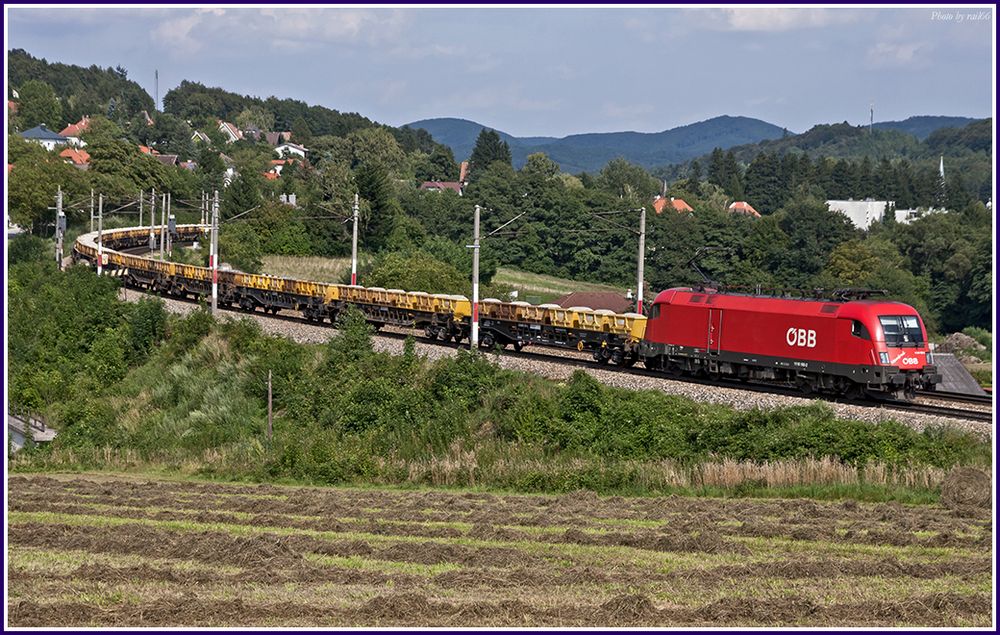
(848, 161)
(581, 226)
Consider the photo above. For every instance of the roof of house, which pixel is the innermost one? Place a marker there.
(167, 159)
(744, 208)
(76, 156)
(42, 133)
(441, 185)
(271, 176)
(597, 300)
(233, 130)
(200, 136)
(147, 150)
(276, 138)
(12, 106)
(188, 165)
(289, 144)
(661, 203)
(74, 129)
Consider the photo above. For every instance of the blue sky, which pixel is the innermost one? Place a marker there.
(552, 72)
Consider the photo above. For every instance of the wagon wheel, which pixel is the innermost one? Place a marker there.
(518, 346)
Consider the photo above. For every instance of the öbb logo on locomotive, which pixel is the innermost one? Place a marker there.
(801, 337)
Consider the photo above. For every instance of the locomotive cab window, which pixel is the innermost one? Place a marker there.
(654, 311)
(858, 329)
(901, 330)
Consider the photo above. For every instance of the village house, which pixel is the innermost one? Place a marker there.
(288, 148)
(230, 131)
(76, 157)
(678, 205)
(74, 130)
(44, 137)
(742, 207)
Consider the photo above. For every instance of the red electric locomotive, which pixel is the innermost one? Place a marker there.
(849, 347)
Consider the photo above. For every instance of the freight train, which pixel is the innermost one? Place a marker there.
(840, 346)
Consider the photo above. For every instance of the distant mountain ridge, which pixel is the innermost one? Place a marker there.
(923, 126)
(590, 152)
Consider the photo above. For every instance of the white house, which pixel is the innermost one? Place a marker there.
(231, 132)
(45, 137)
(74, 130)
(862, 213)
(291, 148)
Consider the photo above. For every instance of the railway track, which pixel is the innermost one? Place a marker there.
(957, 397)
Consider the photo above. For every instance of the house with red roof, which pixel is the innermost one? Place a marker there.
(437, 186)
(74, 130)
(678, 205)
(277, 165)
(76, 157)
(742, 207)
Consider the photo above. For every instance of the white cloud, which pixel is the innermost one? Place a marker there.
(186, 31)
(777, 19)
(897, 54)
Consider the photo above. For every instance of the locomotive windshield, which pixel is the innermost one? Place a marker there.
(901, 330)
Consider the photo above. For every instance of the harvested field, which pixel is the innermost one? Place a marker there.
(94, 550)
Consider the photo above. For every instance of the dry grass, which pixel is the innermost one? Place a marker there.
(311, 268)
(463, 467)
(547, 287)
(117, 551)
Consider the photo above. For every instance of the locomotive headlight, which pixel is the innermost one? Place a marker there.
(883, 357)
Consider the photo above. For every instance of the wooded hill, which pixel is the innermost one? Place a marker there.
(80, 91)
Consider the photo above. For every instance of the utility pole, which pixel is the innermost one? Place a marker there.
(100, 232)
(270, 423)
(141, 194)
(354, 244)
(91, 210)
(152, 219)
(163, 224)
(214, 253)
(642, 256)
(474, 341)
(60, 227)
(170, 238)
